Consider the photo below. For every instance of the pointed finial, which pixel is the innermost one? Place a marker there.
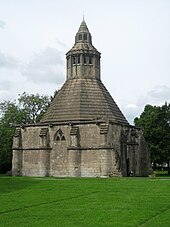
(83, 27)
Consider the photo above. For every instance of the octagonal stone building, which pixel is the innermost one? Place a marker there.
(83, 133)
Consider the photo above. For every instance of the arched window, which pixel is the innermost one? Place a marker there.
(85, 36)
(97, 61)
(68, 62)
(76, 60)
(90, 60)
(80, 36)
(85, 59)
(59, 136)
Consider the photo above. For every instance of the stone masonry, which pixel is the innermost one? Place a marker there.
(83, 133)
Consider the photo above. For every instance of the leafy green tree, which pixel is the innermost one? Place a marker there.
(10, 114)
(33, 107)
(156, 123)
(27, 109)
(6, 136)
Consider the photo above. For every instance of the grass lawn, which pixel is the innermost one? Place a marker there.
(26, 201)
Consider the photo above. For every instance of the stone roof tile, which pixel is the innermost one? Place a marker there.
(83, 99)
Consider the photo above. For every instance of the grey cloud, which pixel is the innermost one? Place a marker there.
(46, 66)
(131, 111)
(63, 45)
(5, 85)
(157, 96)
(7, 61)
(2, 24)
(160, 93)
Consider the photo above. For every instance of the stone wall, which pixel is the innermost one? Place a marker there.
(93, 149)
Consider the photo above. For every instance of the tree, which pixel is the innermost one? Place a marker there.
(10, 114)
(155, 121)
(27, 109)
(33, 107)
(6, 136)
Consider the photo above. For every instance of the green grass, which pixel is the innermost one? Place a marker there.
(26, 201)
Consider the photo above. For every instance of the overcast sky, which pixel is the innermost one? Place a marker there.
(133, 37)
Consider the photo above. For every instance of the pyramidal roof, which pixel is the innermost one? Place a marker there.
(83, 27)
(83, 97)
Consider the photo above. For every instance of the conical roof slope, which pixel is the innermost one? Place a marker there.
(83, 96)
(83, 99)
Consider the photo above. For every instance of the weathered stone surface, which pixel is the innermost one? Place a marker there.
(83, 99)
(89, 154)
(83, 133)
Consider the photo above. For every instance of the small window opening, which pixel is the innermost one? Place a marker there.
(68, 62)
(59, 136)
(85, 60)
(80, 37)
(63, 137)
(74, 60)
(97, 61)
(85, 36)
(90, 60)
(78, 59)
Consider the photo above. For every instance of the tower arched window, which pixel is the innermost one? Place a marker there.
(90, 60)
(85, 59)
(80, 36)
(85, 36)
(76, 60)
(68, 62)
(97, 61)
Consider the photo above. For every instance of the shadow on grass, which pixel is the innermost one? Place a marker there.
(48, 202)
(9, 184)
